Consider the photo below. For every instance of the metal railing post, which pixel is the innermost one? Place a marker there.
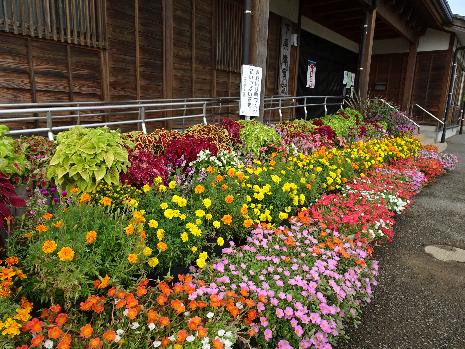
(204, 112)
(50, 125)
(78, 122)
(280, 111)
(142, 119)
(305, 108)
(326, 107)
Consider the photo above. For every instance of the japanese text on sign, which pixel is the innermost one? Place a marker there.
(251, 85)
(285, 58)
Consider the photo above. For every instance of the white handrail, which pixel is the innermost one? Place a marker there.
(430, 114)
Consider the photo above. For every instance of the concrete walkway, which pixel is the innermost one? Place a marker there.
(420, 301)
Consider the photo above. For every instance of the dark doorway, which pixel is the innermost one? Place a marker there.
(331, 62)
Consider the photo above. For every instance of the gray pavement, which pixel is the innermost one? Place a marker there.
(420, 301)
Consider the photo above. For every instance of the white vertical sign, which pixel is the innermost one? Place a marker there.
(311, 74)
(251, 86)
(284, 60)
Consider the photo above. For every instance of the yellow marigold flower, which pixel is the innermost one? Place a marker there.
(203, 255)
(58, 224)
(194, 249)
(75, 190)
(132, 258)
(227, 219)
(66, 254)
(210, 169)
(47, 216)
(199, 189)
(216, 224)
(160, 234)
(220, 241)
(91, 236)
(129, 230)
(153, 262)
(153, 224)
(162, 188)
(11, 328)
(244, 210)
(106, 201)
(146, 188)
(184, 237)
(172, 184)
(283, 215)
(163, 205)
(162, 246)
(208, 216)
(147, 251)
(49, 246)
(198, 221)
(207, 203)
(85, 198)
(229, 199)
(41, 228)
(201, 263)
(200, 213)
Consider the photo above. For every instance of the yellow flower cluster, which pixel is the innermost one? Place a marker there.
(11, 326)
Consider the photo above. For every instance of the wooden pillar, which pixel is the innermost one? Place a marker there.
(259, 43)
(410, 76)
(168, 14)
(137, 44)
(366, 51)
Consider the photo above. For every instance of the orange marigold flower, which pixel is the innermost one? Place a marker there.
(199, 189)
(133, 312)
(12, 260)
(201, 332)
(104, 283)
(240, 176)
(65, 342)
(109, 336)
(56, 308)
(41, 228)
(86, 331)
(61, 319)
(37, 341)
(162, 246)
(181, 337)
(152, 316)
(178, 306)
(164, 321)
(84, 198)
(91, 236)
(229, 199)
(194, 323)
(66, 254)
(74, 190)
(106, 201)
(231, 172)
(54, 332)
(47, 216)
(49, 246)
(58, 224)
(210, 169)
(132, 258)
(227, 219)
(162, 299)
(35, 325)
(219, 178)
(95, 343)
(217, 344)
(129, 230)
(224, 187)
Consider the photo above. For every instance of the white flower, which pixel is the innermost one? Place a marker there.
(190, 338)
(156, 344)
(210, 315)
(227, 344)
(228, 334)
(151, 326)
(172, 338)
(221, 333)
(125, 312)
(205, 340)
(239, 305)
(117, 338)
(48, 344)
(135, 325)
(119, 332)
(186, 313)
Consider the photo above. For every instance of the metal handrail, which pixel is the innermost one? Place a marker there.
(400, 113)
(169, 110)
(430, 114)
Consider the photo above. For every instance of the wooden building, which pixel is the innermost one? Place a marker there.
(113, 50)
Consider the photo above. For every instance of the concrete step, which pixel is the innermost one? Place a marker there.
(426, 140)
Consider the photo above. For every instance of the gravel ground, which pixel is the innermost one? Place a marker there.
(420, 301)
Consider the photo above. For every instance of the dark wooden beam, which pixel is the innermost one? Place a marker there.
(168, 36)
(366, 52)
(259, 44)
(409, 77)
(397, 21)
(137, 44)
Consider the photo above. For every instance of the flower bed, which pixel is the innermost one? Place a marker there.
(286, 200)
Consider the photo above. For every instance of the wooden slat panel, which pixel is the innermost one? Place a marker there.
(39, 18)
(182, 52)
(47, 20)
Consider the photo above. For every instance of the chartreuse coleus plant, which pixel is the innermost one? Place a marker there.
(256, 135)
(10, 161)
(85, 157)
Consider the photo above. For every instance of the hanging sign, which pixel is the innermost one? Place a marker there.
(284, 61)
(311, 74)
(251, 86)
(348, 82)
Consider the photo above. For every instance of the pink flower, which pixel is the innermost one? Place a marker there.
(268, 334)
